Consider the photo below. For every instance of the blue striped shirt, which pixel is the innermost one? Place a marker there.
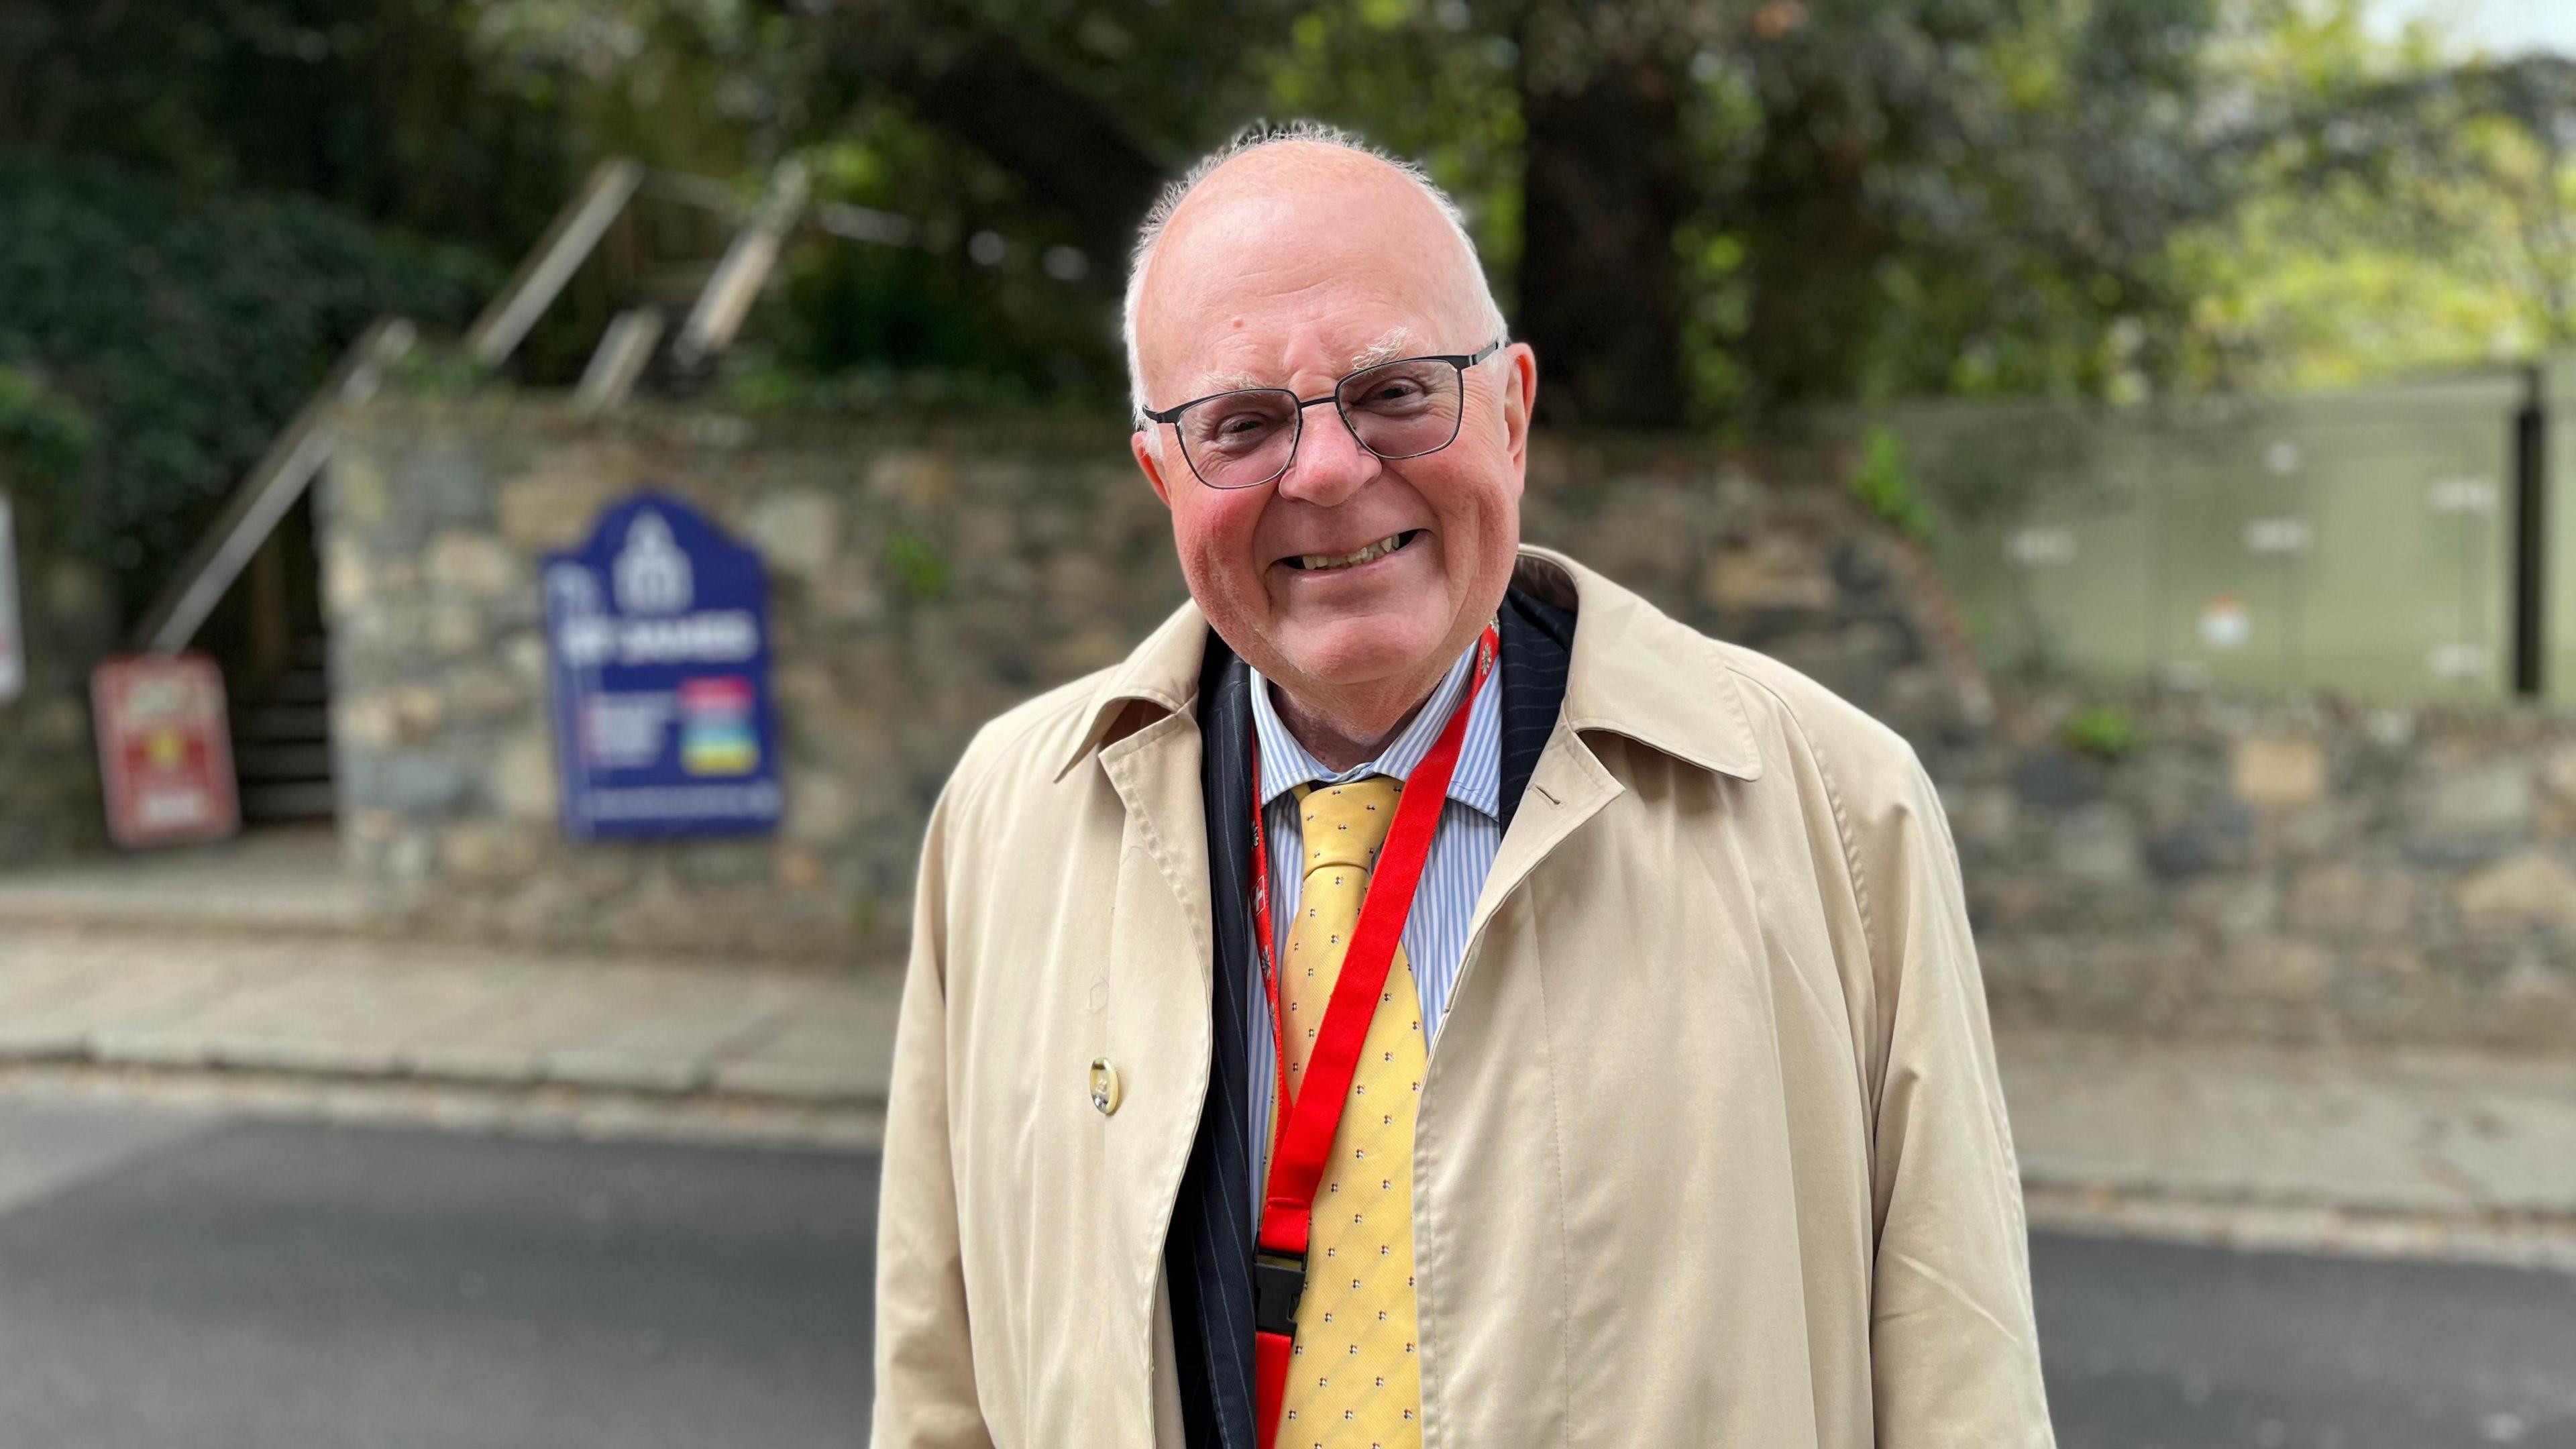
(1462, 851)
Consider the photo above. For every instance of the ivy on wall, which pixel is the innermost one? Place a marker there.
(175, 331)
(45, 439)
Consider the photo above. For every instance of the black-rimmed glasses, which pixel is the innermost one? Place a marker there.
(1399, 409)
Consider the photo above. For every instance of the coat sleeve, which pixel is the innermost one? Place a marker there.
(925, 1365)
(1954, 1348)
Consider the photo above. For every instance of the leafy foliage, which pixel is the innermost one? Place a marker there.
(2105, 730)
(377, 106)
(1878, 196)
(2400, 209)
(44, 437)
(998, 306)
(1885, 488)
(1798, 202)
(189, 327)
(917, 565)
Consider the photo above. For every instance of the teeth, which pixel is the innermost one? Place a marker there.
(1379, 549)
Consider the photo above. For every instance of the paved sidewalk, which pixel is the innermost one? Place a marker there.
(2370, 1150)
(374, 1008)
(281, 879)
(2389, 1130)
(2374, 1150)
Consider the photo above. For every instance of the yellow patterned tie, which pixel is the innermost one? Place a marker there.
(1356, 1380)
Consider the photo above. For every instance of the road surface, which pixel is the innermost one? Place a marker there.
(175, 1280)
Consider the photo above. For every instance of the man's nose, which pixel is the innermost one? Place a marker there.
(1330, 464)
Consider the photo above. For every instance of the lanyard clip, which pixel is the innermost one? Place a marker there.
(1278, 1284)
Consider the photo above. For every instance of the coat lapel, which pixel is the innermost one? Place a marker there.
(1186, 784)
(1158, 1016)
(1208, 1253)
(1208, 1256)
(1622, 672)
(1567, 787)
(1144, 729)
(1537, 637)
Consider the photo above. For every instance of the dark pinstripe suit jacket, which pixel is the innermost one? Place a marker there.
(1207, 1258)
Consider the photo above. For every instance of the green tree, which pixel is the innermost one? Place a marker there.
(380, 107)
(45, 439)
(2399, 209)
(186, 327)
(1702, 210)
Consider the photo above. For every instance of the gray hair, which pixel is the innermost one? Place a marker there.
(1253, 137)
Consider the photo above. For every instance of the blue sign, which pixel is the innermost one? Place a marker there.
(659, 636)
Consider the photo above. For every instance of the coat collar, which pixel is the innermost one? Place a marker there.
(1635, 672)
(1162, 673)
(1639, 673)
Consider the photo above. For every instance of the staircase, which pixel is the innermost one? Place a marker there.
(679, 313)
(282, 740)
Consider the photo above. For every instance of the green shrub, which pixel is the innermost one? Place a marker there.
(443, 369)
(189, 327)
(2102, 729)
(44, 438)
(918, 567)
(1884, 486)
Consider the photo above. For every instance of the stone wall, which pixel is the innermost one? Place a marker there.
(49, 800)
(916, 589)
(2303, 870)
(921, 582)
(2166, 862)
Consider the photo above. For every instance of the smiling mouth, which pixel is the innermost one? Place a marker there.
(1325, 562)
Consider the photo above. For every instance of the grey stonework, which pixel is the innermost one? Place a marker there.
(2306, 870)
(918, 586)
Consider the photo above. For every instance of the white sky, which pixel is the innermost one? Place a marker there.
(2499, 27)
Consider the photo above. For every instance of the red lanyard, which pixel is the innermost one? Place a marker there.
(1306, 1125)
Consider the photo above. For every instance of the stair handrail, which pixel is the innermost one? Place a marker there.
(270, 490)
(738, 278)
(299, 452)
(549, 266)
(304, 446)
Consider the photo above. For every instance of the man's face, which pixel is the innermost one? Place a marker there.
(1293, 280)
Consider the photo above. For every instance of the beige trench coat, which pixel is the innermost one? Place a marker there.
(1710, 1151)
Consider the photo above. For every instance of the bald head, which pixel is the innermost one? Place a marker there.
(1348, 554)
(1298, 215)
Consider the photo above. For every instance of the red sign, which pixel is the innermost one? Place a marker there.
(165, 753)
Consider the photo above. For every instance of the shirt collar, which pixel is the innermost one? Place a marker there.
(1476, 782)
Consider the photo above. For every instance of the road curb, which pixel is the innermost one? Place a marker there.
(2499, 1239)
(464, 1068)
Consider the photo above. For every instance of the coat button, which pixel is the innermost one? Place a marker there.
(1105, 1088)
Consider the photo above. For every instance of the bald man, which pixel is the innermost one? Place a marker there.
(1425, 995)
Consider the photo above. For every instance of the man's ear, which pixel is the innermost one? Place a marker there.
(1520, 396)
(1141, 443)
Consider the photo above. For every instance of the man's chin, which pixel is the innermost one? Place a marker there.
(1357, 652)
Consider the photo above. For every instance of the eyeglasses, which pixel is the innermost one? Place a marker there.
(1400, 409)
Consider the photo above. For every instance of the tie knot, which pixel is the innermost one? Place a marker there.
(1345, 824)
